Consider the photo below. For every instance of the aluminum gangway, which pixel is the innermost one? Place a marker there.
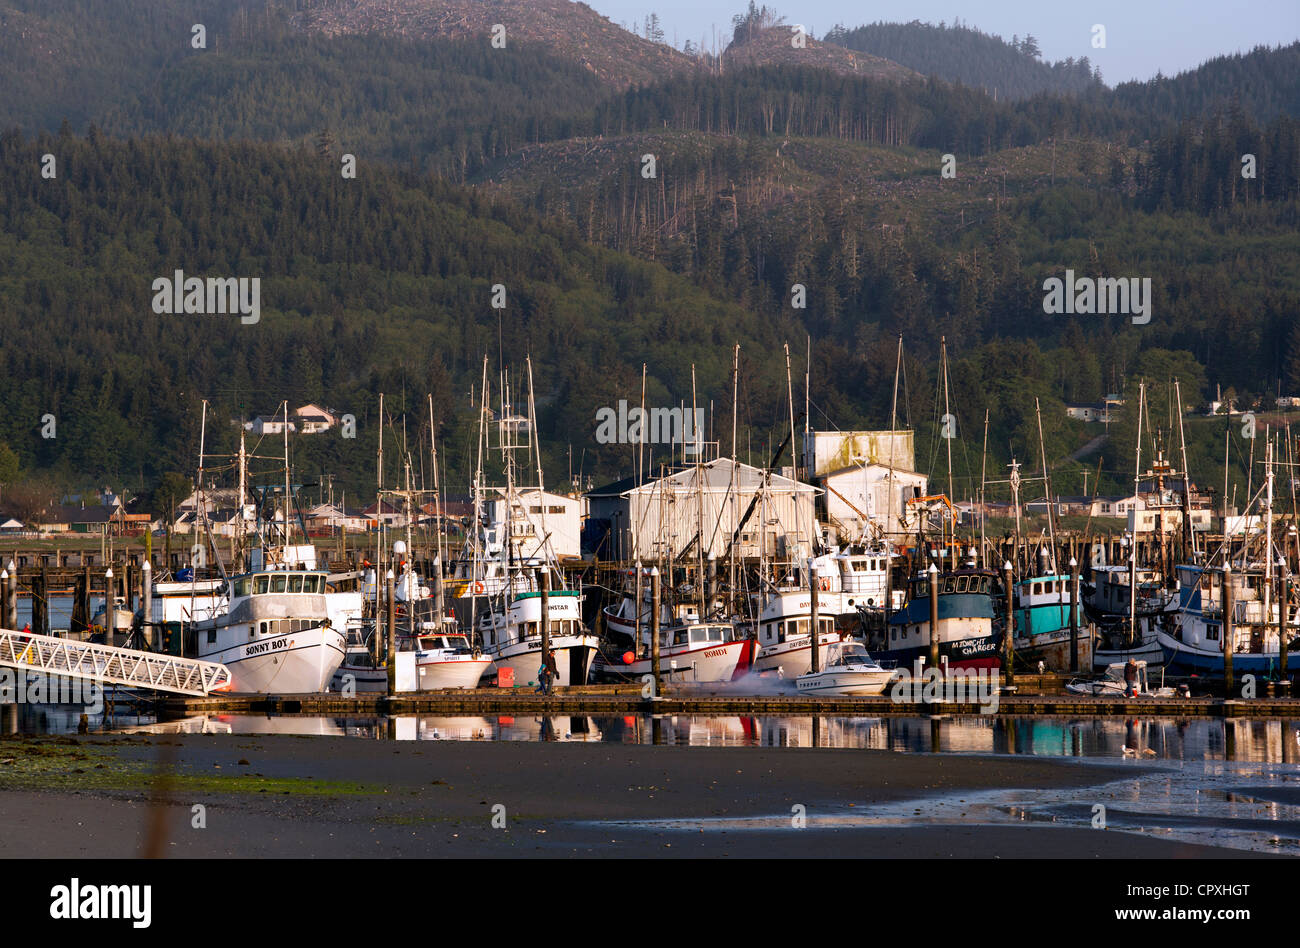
(109, 665)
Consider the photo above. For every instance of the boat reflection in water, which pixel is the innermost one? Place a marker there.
(1161, 739)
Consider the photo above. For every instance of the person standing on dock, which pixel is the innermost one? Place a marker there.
(552, 672)
(1130, 678)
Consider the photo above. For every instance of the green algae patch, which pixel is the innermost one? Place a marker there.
(65, 765)
(271, 786)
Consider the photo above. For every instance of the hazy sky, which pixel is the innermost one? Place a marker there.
(1142, 36)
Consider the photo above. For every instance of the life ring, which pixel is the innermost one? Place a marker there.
(824, 583)
(478, 588)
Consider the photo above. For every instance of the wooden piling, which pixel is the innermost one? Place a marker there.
(11, 617)
(1228, 631)
(637, 650)
(814, 638)
(1009, 629)
(40, 602)
(146, 604)
(110, 609)
(654, 630)
(934, 616)
(545, 620)
(390, 649)
(1074, 615)
(1283, 646)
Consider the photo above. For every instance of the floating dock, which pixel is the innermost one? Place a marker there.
(613, 700)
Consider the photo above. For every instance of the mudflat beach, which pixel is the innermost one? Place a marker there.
(212, 796)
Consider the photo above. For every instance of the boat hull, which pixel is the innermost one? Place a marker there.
(715, 662)
(976, 652)
(1149, 651)
(301, 662)
(791, 659)
(1183, 659)
(574, 655)
(436, 674)
(1053, 650)
(847, 683)
(364, 679)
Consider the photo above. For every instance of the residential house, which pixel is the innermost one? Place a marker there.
(269, 425)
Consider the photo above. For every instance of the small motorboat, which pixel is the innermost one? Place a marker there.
(1111, 684)
(849, 670)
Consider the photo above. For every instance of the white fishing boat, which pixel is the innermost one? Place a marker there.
(512, 637)
(1112, 684)
(276, 635)
(849, 670)
(358, 672)
(445, 659)
(509, 629)
(689, 650)
(847, 585)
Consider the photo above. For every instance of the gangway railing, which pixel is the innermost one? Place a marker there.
(109, 665)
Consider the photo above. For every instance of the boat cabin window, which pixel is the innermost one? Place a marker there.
(680, 637)
(261, 584)
(242, 586)
(716, 633)
(295, 584)
(278, 583)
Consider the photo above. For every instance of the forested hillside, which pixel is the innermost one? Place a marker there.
(527, 166)
(378, 284)
(958, 53)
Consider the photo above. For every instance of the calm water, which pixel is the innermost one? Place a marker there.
(1204, 781)
(1146, 739)
(60, 611)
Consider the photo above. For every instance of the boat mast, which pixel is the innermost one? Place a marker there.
(893, 426)
(285, 432)
(1268, 529)
(1189, 535)
(1047, 486)
(438, 512)
(789, 388)
(984, 463)
(699, 501)
(240, 539)
(943, 350)
(735, 516)
(1133, 543)
(379, 513)
(545, 542)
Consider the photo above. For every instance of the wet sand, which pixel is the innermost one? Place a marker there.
(282, 796)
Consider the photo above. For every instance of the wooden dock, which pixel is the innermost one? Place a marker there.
(615, 700)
